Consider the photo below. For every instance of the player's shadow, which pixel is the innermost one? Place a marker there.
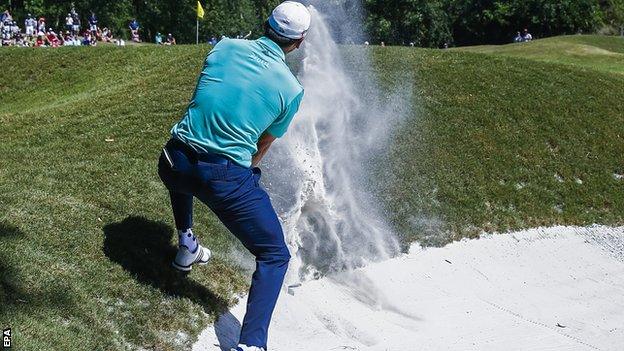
(16, 295)
(143, 248)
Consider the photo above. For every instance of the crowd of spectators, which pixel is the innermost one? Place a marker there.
(162, 40)
(36, 33)
(523, 37)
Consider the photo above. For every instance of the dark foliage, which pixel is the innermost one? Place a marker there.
(421, 22)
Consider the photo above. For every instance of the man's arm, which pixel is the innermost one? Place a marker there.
(263, 146)
(277, 129)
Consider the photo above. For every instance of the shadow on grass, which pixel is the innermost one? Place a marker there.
(143, 248)
(16, 294)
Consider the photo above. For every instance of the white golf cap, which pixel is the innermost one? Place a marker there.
(290, 19)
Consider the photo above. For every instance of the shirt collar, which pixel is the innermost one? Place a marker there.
(272, 46)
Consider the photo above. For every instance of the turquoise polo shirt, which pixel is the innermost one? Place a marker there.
(245, 89)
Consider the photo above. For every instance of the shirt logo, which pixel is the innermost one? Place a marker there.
(259, 59)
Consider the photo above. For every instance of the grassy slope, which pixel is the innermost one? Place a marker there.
(502, 142)
(85, 224)
(591, 52)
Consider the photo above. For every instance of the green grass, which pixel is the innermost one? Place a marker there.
(583, 51)
(492, 141)
(86, 228)
(502, 142)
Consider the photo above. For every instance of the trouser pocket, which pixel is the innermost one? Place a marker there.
(171, 175)
(168, 158)
(164, 170)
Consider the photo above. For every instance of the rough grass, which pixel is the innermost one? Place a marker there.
(501, 142)
(493, 142)
(85, 223)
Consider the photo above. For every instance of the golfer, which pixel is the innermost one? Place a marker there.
(245, 98)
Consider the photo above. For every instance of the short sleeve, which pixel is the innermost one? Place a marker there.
(280, 125)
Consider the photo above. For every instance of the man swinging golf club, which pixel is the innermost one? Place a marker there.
(245, 98)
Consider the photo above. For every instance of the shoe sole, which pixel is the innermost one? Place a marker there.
(181, 268)
(189, 267)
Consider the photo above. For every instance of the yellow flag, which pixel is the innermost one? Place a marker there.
(200, 10)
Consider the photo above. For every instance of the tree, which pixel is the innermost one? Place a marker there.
(614, 14)
(425, 23)
(489, 21)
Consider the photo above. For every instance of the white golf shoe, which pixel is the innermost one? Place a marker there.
(185, 259)
(242, 347)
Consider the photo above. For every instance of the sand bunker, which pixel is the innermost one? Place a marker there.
(557, 288)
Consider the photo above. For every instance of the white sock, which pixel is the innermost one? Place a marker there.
(187, 239)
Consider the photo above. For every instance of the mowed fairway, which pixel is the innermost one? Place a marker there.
(584, 51)
(494, 141)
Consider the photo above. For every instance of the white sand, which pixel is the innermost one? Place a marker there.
(543, 289)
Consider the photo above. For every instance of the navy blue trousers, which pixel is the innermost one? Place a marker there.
(234, 194)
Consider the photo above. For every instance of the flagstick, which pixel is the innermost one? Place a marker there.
(197, 32)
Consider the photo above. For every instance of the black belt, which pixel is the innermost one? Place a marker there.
(200, 156)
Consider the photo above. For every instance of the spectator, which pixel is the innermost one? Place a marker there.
(76, 25)
(60, 37)
(158, 39)
(170, 40)
(40, 41)
(69, 22)
(93, 23)
(15, 29)
(526, 36)
(30, 23)
(68, 40)
(76, 40)
(20, 41)
(518, 38)
(6, 16)
(107, 35)
(212, 41)
(72, 40)
(52, 39)
(6, 33)
(87, 39)
(134, 30)
(41, 26)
